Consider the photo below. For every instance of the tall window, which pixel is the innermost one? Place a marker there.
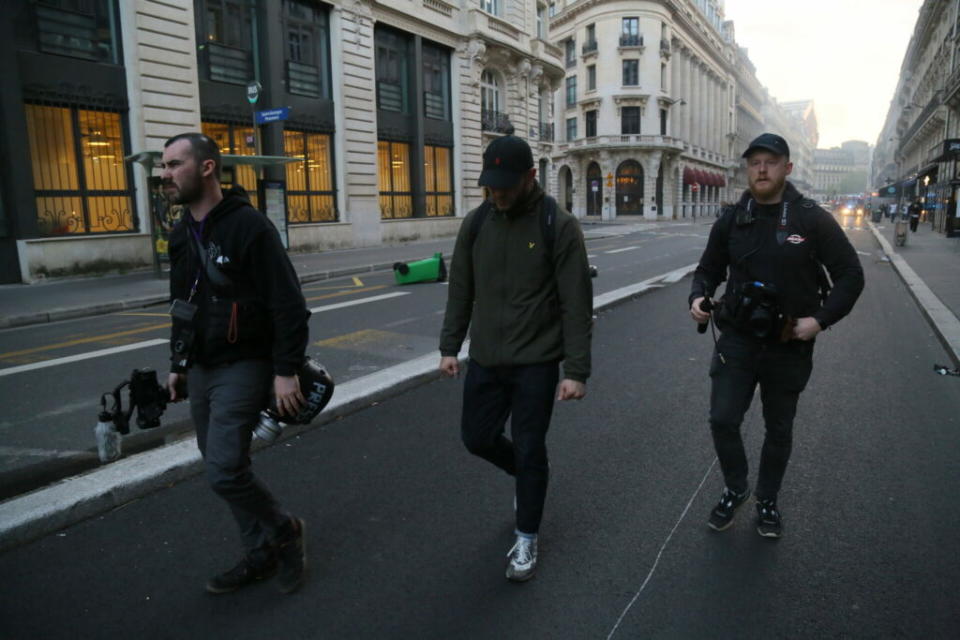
(571, 129)
(630, 34)
(307, 49)
(227, 28)
(591, 37)
(438, 178)
(237, 140)
(571, 91)
(491, 6)
(570, 46)
(310, 192)
(393, 78)
(78, 28)
(436, 82)
(663, 76)
(631, 73)
(630, 120)
(552, 9)
(393, 164)
(591, 77)
(541, 23)
(663, 122)
(489, 92)
(79, 178)
(591, 123)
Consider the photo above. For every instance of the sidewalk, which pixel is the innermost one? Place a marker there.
(929, 264)
(63, 299)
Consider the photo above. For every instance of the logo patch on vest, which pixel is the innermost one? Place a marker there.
(795, 239)
(531, 245)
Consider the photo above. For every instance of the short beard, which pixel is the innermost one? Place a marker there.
(188, 194)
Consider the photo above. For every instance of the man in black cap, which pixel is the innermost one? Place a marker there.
(775, 244)
(519, 279)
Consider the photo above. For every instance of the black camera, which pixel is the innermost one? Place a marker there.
(758, 309)
(147, 397)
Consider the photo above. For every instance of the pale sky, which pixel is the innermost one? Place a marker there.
(843, 54)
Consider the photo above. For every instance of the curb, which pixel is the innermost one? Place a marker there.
(72, 500)
(945, 324)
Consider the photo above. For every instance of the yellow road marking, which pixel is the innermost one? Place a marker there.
(357, 281)
(357, 338)
(71, 343)
(348, 292)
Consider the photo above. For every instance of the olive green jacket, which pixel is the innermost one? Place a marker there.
(519, 307)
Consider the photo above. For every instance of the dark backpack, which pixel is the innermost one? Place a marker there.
(548, 223)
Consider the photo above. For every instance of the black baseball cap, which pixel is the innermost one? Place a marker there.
(770, 142)
(505, 161)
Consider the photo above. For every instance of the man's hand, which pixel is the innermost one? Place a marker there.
(286, 389)
(699, 315)
(450, 366)
(806, 328)
(176, 381)
(571, 390)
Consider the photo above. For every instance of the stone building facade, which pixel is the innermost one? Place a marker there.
(917, 153)
(388, 106)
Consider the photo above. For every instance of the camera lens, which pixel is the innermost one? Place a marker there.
(268, 428)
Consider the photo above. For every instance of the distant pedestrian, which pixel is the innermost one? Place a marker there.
(240, 326)
(519, 279)
(770, 245)
(914, 213)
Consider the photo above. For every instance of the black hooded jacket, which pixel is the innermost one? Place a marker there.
(786, 251)
(262, 314)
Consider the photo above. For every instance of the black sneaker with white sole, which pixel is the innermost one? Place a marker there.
(721, 517)
(768, 519)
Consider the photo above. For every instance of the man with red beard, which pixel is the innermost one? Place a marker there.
(239, 326)
(773, 244)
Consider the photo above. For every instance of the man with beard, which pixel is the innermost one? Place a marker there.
(519, 279)
(239, 324)
(775, 244)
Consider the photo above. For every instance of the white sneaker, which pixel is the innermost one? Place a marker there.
(522, 559)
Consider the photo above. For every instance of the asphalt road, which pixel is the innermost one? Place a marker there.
(408, 532)
(49, 412)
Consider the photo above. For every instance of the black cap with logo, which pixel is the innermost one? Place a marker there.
(769, 142)
(505, 161)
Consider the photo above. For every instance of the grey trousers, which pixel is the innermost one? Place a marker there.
(225, 402)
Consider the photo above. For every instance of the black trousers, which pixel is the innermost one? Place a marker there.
(225, 402)
(526, 394)
(782, 371)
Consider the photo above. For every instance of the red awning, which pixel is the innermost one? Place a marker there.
(688, 176)
(723, 180)
(714, 179)
(708, 179)
(701, 177)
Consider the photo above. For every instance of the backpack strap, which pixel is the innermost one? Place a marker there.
(478, 219)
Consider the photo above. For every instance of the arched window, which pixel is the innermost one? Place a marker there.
(489, 92)
(630, 188)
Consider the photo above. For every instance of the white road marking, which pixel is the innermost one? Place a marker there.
(864, 253)
(631, 248)
(82, 356)
(9, 371)
(351, 303)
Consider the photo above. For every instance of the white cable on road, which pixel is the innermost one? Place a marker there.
(662, 547)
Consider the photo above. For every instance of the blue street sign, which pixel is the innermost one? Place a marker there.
(273, 115)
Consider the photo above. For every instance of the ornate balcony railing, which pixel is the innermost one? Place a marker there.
(631, 41)
(495, 121)
(589, 47)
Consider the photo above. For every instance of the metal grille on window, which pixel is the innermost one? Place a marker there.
(393, 164)
(310, 195)
(81, 29)
(439, 181)
(80, 179)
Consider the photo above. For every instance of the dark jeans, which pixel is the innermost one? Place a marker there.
(782, 371)
(225, 402)
(526, 394)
